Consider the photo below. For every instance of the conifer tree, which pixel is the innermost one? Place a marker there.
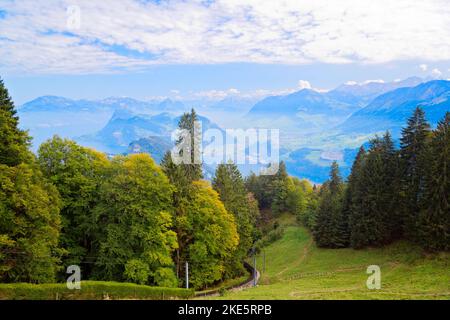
(375, 218)
(354, 198)
(414, 142)
(14, 142)
(434, 219)
(229, 184)
(189, 122)
(280, 186)
(331, 229)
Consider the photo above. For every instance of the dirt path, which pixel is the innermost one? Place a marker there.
(300, 260)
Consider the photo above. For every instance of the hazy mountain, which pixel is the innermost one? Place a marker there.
(49, 115)
(124, 127)
(156, 146)
(234, 104)
(367, 91)
(306, 109)
(391, 110)
(61, 104)
(312, 110)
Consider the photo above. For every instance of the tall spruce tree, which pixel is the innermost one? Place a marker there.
(229, 184)
(190, 123)
(414, 143)
(353, 196)
(182, 177)
(330, 227)
(374, 217)
(434, 219)
(280, 194)
(14, 142)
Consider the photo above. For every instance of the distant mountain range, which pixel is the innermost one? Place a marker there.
(390, 111)
(316, 127)
(60, 104)
(367, 91)
(126, 127)
(311, 110)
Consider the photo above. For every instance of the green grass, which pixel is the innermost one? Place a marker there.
(296, 269)
(90, 290)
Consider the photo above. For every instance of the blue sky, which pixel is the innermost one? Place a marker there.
(213, 49)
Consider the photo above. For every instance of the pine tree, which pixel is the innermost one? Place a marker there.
(229, 184)
(414, 142)
(375, 217)
(354, 197)
(14, 142)
(189, 122)
(434, 219)
(331, 229)
(182, 177)
(280, 186)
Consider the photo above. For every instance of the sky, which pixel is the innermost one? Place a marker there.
(215, 49)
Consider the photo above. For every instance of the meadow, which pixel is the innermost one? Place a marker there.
(296, 269)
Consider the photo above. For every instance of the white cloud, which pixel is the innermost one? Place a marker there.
(120, 35)
(216, 94)
(362, 83)
(304, 84)
(436, 72)
(423, 67)
(372, 81)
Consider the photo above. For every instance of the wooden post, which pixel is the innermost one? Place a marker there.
(187, 275)
(254, 268)
(264, 260)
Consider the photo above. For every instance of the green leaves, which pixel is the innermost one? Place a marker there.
(29, 225)
(29, 206)
(209, 235)
(135, 204)
(137, 271)
(77, 172)
(13, 141)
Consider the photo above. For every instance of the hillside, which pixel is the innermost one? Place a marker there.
(296, 269)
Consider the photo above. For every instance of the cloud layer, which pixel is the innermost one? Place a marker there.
(41, 36)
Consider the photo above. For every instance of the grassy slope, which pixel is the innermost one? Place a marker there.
(297, 269)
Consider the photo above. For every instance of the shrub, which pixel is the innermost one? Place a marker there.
(90, 290)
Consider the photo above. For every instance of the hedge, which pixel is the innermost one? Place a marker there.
(90, 290)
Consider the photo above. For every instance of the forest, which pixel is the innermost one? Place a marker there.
(128, 219)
